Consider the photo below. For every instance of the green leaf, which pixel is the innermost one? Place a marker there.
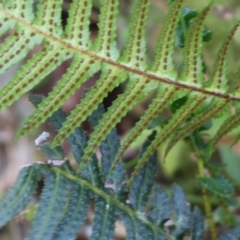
(143, 182)
(218, 185)
(232, 163)
(110, 78)
(134, 52)
(159, 215)
(182, 213)
(197, 224)
(193, 61)
(51, 208)
(163, 62)
(77, 32)
(76, 213)
(136, 230)
(16, 199)
(68, 84)
(109, 148)
(178, 103)
(104, 220)
(232, 234)
(130, 225)
(157, 105)
(118, 109)
(193, 102)
(229, 124)
(53, 153)
(195, 123)
(218, 78)
(105, 44)
(187, 15)
(78, 141)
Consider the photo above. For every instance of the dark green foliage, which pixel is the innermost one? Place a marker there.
(19, 196)
(76, 213)
(218, 185)
(197, 225)
(181, 212)
(187, 15)
(78, 141)
(159, 215)
(143, 182)
(130, 225)
(144, 232)
(104, 220)
(52, 153)
(51, 207)
(109, 148)
(66, 196)
(178, 103)
(136, 229)
(233, 234)
(68, 191)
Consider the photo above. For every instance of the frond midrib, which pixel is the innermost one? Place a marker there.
(133, 70)
(110, 199)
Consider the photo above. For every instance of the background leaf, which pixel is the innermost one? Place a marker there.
(218, 185)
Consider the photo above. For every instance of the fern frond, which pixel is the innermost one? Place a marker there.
(160, 215)
(196, 121)
(118, 109)
(197, 224)
(77, 73)
(77, 32)
(16, 47)
(163, 98)
(143, 183)
(54, 196)
(232, 233)
(135, 49)
(178, 118)
(41, 64)
(134, 54)
(19, 196)
(75, 215)
(110, 78)
(163, 63)
(24, 9)
(48, 16)
(112, 200)
(104, 220)
(73, 42)
(193, 61)
(218, 79)
(109, 148)
(182, 211)
(228, 125)
(65, 197)
(105, 45)
(77, 140)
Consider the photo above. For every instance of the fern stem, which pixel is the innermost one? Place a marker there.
(206, 200)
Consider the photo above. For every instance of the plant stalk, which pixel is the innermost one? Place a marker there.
(206, 202)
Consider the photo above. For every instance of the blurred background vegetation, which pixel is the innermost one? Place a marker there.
(180, 165)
